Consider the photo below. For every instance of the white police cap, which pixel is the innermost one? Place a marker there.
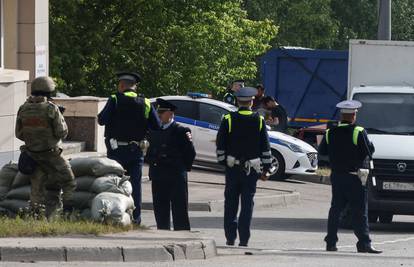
(349, 106)
(246, 93)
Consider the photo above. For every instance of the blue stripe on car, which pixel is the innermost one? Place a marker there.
(215, 127)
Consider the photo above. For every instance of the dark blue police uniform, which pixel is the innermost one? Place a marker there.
(127, 118)
(241, 140)
(229, 98)
(348, 147)
(170, 156)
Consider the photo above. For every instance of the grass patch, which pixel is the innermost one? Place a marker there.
(323, 171)
(24, 227)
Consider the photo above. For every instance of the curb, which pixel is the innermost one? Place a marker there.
(203, 249)
(259, 202)
(316, 179)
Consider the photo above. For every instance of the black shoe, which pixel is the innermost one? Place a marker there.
(242, 244)
(230, 243)
(368, 249)
(331, 248)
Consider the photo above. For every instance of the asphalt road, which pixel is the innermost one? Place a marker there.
(291, 236)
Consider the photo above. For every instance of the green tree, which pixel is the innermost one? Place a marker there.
(357, 20)
(403, 20)
(306, 23)
(177, 45)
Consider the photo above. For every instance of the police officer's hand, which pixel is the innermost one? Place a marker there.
(264, 177)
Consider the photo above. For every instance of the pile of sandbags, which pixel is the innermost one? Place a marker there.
(14, 189)
(102, 191)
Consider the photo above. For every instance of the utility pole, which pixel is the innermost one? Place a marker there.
(384, 19)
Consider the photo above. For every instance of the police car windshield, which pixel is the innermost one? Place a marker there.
(385, 113)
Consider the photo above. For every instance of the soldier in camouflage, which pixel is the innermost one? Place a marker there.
(41, 126)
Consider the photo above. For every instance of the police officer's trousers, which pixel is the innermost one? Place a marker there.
(347, 189)
(170, 194)
(239, 186)
(131, 159)
(52, 175)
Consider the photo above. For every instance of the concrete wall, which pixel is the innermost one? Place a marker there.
(13, 93)
(26, 26)
(81, 118)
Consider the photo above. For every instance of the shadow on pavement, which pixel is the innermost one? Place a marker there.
(299, 225)
(392, 228)
(278, 224)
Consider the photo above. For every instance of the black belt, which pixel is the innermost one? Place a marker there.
(44, 151)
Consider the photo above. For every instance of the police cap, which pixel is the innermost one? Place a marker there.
(246, 93)
(164, 105)
(349, 106)
(129, 76)
(43, 84)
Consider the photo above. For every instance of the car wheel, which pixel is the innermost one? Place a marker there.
(372, 216)
(279, 163)
(386, 218)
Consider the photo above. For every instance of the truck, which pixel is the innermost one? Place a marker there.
(381, 77)
(308, 83)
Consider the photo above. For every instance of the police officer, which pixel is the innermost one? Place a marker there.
(41, 126)
(171, 154)
(229, 97)
(127, 118)
(347, 146)
(245, 162)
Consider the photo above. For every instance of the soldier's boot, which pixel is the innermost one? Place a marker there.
(68, 188)
(68, 184)
(54, 205)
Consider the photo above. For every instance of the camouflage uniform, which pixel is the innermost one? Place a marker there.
(41, 126)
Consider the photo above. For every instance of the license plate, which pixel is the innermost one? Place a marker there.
(398, 186)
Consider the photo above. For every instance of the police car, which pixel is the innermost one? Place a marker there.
(203, 116)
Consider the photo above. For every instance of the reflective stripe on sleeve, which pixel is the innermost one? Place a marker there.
(228, 118)
(357, 130)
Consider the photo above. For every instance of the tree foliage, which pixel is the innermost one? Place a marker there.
(176, 45)
(184, 45)
(306, 23)
(330, 23)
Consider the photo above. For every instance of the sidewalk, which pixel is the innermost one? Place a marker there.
(143, 246)
(206, 192)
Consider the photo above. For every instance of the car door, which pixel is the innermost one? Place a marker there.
(186, 114)
(206, 128)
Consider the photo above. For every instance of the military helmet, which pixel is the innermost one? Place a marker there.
(43, 84)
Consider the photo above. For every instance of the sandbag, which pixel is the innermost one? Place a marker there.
(79, 200)
(111, 207)
(86, 214)
(14, 205)
(84, 183)
(126, 219)
(3, 192)
(20, 180)
(112, 184)
(7, 174)
(95, 166)
(22, 193)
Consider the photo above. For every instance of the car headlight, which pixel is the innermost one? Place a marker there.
(293, 147)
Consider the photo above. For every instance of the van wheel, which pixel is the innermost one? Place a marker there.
(280, 165)
(386, 218)
(372, 216)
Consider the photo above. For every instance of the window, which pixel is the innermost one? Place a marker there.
(184, 108)
(212, 114)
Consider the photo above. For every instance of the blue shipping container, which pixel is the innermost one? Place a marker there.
(308, 83)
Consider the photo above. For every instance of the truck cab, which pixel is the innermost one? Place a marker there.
(387, 115)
